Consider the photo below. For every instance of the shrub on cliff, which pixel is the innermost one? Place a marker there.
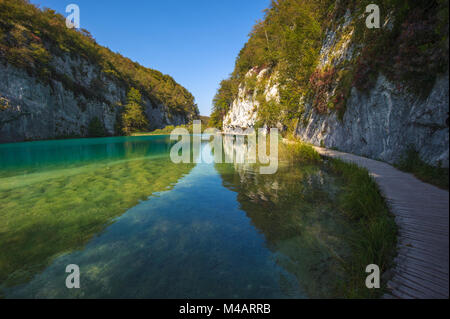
(410, 49)
(287, 40)
(411, 53)
(222, 101)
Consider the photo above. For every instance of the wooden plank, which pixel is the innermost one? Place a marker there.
(426, 276)
(421, 212)
(419, 255)
(423, 285)
(426, 267)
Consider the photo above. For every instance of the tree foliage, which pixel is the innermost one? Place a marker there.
(31, 38)
(286, 41)
(133, 117)
(411, 52)
(96, 128)
(222, 102)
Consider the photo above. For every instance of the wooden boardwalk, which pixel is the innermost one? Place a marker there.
(422, 215)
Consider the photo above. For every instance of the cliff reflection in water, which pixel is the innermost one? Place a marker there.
(222, 231)
(294, 210)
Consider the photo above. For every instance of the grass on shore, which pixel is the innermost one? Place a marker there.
(298, 152)
(147, 134)
(375, 238)
(412, 163)
(164, 131)
(360, 200)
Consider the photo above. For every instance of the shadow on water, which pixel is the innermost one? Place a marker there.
(222, 231)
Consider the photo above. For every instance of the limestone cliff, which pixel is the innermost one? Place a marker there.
(244, 110)
(381, 122)
(55, 81)
(32, 110)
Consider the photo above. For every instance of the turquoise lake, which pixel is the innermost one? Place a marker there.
(140, 226)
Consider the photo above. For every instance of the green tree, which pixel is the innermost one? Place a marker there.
(133, 118)
(222, 102)
(286, 42)
(96, 128)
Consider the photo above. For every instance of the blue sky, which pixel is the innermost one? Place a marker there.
(194, 41)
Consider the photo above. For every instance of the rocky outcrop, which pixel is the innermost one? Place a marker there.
(381, 123)
(384, 123)
(243, 113)
(32, 110)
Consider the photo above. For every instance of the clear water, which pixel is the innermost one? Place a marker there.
(140, 226)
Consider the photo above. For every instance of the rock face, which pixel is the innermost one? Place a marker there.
(32, 110)
(243, 113)
(384, 123)
(381, 123)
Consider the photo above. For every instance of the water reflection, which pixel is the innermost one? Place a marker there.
(212, 231)
(192, 241)
(294, 209)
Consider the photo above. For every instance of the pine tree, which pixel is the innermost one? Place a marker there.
(133, 118)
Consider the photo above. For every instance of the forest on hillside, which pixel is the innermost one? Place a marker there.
(30, 38)
(411, 53)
